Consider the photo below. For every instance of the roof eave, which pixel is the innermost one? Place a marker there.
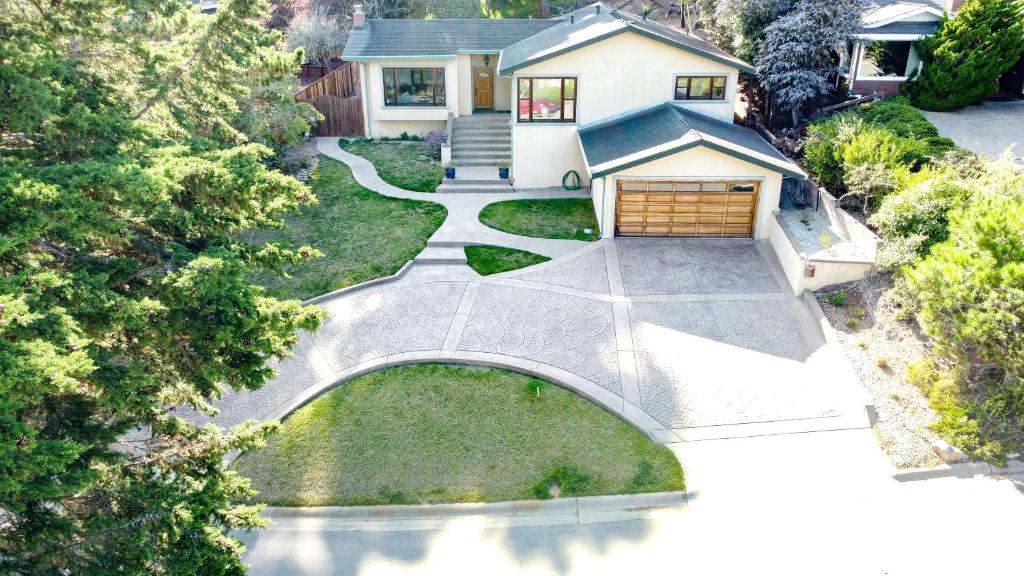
(398, 57)
(792, 170)
(550, 55)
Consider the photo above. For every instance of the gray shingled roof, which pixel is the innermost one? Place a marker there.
(918, 28)
(394, 38)
(645, 128)
(596, 22)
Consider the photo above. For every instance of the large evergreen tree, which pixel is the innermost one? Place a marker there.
(124, 181)
(964, 60)
(797, 57)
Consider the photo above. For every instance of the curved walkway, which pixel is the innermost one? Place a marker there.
(462, 226)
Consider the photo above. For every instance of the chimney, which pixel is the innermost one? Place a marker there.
(358, 16)
(953, 5)
(597, 8)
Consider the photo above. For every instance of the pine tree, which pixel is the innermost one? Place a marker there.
(124, 182)
(966, 57)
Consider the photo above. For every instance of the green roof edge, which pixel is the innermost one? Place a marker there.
(711, 145)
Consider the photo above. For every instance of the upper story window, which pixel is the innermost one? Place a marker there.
(700, 87)
(413, 86)
(547, 100)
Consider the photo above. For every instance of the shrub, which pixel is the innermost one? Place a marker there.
(875, 144)
(898, 115)
(922, 375)
(971, 287)
(922, 207)
(899, 252)
(963, 60)
(823, 147)
(839, 299)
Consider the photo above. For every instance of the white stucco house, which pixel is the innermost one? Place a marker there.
(641, 112)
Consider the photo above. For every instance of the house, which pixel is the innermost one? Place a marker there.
(882, 55)
(642, 113)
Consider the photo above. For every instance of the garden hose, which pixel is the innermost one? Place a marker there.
(571, 180)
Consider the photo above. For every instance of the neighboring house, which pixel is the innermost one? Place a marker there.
(642, 112)
(882, 55)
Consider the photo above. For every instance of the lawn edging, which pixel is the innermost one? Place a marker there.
(572, 510)
(355, 287)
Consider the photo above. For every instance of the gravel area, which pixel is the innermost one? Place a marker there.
(806, 227)
(880, 347)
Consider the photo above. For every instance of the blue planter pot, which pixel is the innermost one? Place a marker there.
(449, 173)
(503, 173)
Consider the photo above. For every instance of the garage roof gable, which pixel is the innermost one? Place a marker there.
(646, 134)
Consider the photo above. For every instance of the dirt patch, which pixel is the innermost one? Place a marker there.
(880, 346)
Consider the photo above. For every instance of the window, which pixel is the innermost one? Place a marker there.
(413, 86)
(547, 100)
(882, 59)
(700, 87)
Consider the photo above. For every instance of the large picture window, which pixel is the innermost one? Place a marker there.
(413, 86)
(888, 59)
(700, 87)
(547, 100)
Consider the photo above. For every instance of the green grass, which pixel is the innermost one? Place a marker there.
(560, 218)
(400, 164)
(487, 260)
(362, 234)
(437, 433)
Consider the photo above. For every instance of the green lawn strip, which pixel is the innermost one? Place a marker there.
(362, 234)
(402, 164)
(436, 433)
(487, 260)
(558, 218)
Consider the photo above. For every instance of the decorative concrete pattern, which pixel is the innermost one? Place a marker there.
(405, 318)
(575, 334)
(584, 272)
(694, 266)
(726, 362)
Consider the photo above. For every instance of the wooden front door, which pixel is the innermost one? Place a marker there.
(685, 208)
(483, 88)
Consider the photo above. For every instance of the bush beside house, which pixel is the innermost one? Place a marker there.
(962, 63)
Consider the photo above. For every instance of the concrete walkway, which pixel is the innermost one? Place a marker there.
(462, 226)
(990, 128)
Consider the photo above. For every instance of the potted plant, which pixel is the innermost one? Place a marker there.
(503, 169)
(449, 170)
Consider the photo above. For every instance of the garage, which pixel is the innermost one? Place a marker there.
(703, 208)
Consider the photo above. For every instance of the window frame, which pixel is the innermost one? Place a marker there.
(435, 73)
(711, 78)
(561, 96)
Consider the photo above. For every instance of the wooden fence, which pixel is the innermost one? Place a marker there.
(337, 97)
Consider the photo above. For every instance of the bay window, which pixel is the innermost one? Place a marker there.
(413, 86)
(547, 100)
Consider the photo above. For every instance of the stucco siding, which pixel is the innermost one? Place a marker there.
(702, 163)
(629, 71)
(543, 153)
(391, 121)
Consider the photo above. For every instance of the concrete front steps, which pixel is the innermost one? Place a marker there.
(482, 139)
(471, 185)
(441, 253)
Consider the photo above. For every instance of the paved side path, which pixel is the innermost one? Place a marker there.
(462, 226)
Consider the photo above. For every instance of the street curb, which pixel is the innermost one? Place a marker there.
(559, 507)
(356, 287)
(959, 470)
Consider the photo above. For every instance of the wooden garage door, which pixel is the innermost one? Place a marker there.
(685, 208)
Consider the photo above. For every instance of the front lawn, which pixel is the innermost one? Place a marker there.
(437, 433)
(362, 234)
(487, 260)
(402, 164)
(559, 218)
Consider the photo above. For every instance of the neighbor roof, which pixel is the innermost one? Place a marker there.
(882, 13)
(597, 22)
(649, 133)
(903, 28)
(422, 38)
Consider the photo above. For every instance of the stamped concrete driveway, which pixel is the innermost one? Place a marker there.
(687, 339)
(990, 129)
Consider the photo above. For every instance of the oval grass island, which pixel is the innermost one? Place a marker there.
(434, 433)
